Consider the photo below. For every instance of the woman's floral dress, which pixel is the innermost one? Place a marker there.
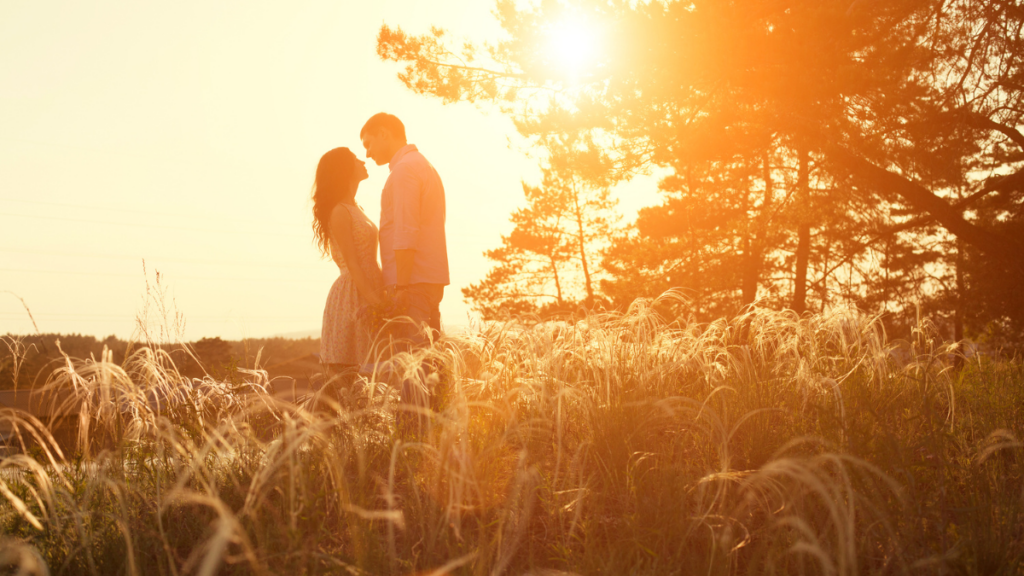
(349, 328)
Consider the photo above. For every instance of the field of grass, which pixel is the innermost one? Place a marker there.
(621, 444)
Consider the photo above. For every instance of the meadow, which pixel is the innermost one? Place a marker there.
(628, 443)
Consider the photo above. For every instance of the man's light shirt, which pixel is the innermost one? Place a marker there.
(412, 215)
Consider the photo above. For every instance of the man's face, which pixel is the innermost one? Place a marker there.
(378, 146)
(361, 173)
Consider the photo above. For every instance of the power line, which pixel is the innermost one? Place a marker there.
(90, 149)
(127, 211)
(150, 225)
(158, 259)
(187, 317)
(59, 315)
(115, 275)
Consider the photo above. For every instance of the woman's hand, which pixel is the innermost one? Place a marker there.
(375, 299)
(401, 301)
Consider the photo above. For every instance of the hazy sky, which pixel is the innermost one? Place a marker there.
(187, 134)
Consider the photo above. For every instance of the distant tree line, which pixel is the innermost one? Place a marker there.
(819, 153)
(27, 361)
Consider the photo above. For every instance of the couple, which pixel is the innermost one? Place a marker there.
(413, 251)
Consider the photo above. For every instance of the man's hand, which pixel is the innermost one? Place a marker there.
(376, 299)
(401, 300)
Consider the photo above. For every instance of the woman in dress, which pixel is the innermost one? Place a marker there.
(344, 233)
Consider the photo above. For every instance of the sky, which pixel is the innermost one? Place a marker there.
(182, 138)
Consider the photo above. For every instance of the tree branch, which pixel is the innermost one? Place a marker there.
(490, 73)
(1004, 184)
(982, 121)
(950, 217)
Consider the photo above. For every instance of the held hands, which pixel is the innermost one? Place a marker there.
(400, 300)
(377, 299)
(387, 305)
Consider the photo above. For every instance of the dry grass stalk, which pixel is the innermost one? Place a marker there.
(765, 442)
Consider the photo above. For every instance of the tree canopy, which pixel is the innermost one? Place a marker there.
(884, 134)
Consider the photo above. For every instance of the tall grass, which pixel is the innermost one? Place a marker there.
(617, 444)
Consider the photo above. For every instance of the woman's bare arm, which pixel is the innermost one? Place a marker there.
(341, 231)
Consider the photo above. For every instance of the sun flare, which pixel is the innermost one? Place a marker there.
(573, 45)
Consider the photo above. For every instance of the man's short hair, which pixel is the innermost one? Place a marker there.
(389, 122)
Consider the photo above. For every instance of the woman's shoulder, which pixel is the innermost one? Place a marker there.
(350, 216)
(344, 212)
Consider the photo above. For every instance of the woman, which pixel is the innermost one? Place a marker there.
(344, 233)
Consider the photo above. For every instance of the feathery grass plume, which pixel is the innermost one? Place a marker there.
(638, 442)
(17, 353)
(158, 322)
(27, 309)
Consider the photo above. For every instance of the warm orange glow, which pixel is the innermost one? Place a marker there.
(573, 44)
(107, 111)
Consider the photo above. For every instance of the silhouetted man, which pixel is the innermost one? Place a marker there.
(413, 251)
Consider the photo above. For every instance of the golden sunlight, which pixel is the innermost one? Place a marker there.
(573, 45)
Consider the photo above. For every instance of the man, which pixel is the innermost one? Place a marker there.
(413, 251)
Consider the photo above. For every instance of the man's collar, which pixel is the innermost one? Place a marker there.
(400, 154)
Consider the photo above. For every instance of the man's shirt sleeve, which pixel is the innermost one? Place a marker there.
(406, 207)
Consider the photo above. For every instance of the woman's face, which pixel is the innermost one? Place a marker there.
(359, 170)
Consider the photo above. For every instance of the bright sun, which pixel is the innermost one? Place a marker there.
(573, 44)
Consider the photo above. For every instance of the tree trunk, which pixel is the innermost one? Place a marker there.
(752, 268)
(823, 284)
(582, 244)
(558, 284)
(958, 317)
(748, 261)
(803, 235)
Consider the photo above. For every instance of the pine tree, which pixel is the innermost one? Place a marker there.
(548, 263)
(891, 103)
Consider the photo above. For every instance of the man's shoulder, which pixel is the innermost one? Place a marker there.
(412, 165)
(411, 159)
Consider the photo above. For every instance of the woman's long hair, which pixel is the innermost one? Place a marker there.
(332, 185)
